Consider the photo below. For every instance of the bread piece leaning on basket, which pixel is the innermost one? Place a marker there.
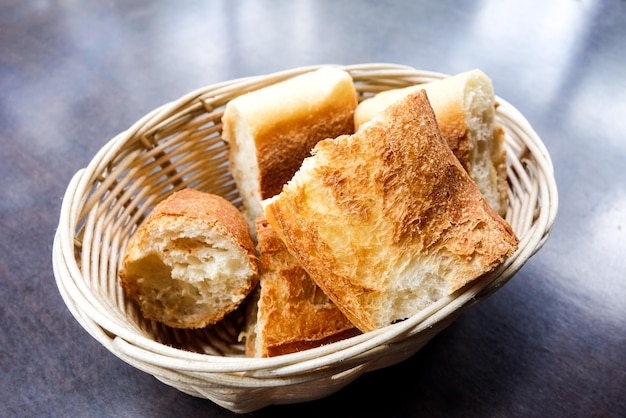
(465, 109)
(387, 220)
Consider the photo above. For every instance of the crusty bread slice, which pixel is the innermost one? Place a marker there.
(291, 313)
(271, 130)
(191, 261)
(464, 106)
(387, 221)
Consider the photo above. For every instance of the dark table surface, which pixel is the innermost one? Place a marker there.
(551, 343)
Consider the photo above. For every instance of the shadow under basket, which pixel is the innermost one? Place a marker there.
(179, 145)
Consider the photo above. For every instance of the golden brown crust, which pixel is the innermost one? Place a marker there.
(450, 118)
(207, 210)
(464, 106)
(449, 112)
(367, 206)
(143, 260)
(282, 147)
(295, 314)
(271, 130)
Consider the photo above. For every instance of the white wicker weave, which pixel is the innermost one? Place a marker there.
(179, 145)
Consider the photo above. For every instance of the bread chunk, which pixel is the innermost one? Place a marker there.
(191, 262)
(464, 107)
(271, 130)
(291, 312)
(387, 221)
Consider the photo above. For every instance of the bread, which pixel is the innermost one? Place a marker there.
(191, 261)
(464, 106)
(271, 130)
(387, 221)
(291, 313)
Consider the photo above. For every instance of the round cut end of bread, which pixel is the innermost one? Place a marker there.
(191, 262)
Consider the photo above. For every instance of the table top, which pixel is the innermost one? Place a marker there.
(549, 343)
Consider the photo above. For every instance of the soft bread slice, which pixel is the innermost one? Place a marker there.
(387, 221)
(191, 262)
(464, 106)
(291, 312)
(271, 130)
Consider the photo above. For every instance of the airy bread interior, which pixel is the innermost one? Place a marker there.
(191, 262)
(387, 221)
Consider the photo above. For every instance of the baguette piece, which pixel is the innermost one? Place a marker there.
(464, 106)
(271, 130)
(291, 312)
(191, 261)
(387, 221)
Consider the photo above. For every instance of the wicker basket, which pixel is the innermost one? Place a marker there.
(179, 145)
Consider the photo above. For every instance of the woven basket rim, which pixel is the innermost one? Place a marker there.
(112, 331)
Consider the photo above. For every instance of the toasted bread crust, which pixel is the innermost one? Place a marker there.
(373, 209)
(464, 106)
(207, 211)
(271, 130)
(281, 147)
(292, 311)
(447, 104)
